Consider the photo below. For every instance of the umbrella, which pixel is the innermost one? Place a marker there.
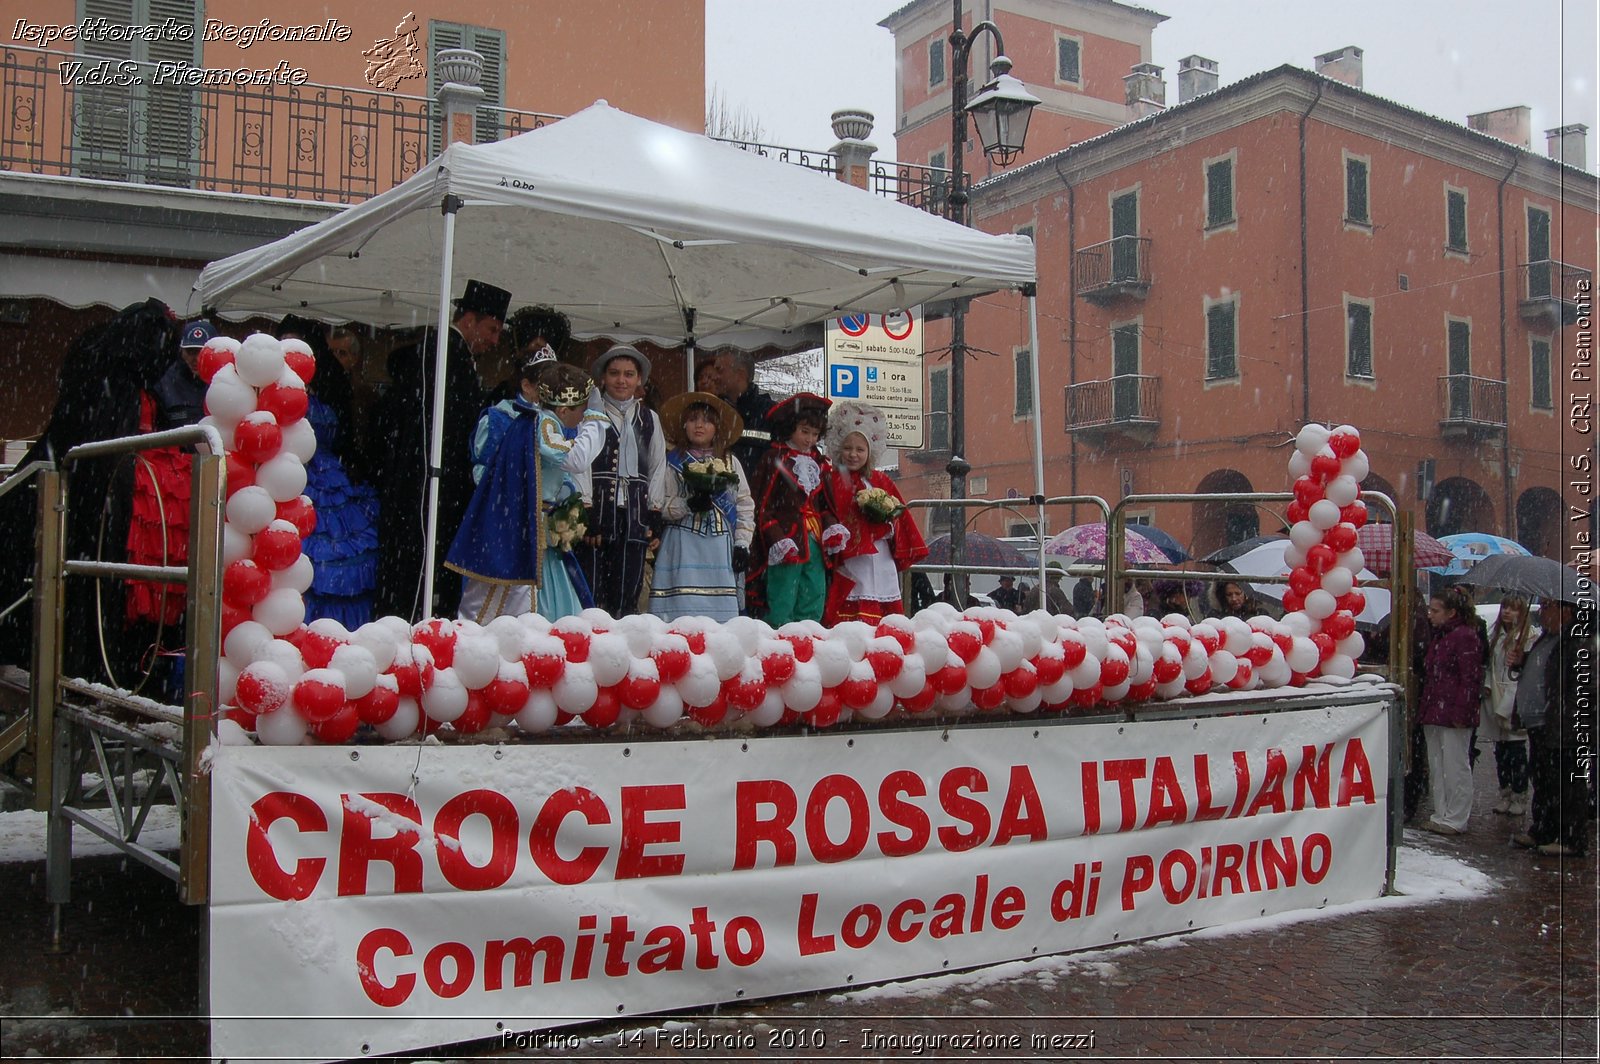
(978, 550)
(1088, 543)
(1233, 550)
(1267, 560)
(1377, 545)
(1535, 577)
(1469, 548)
(1163, 541)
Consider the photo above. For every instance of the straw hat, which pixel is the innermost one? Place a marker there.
(730, 426)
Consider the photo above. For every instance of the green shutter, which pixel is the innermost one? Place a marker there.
(491, 44)
(1355, 191)
(1358, 317)
(1456, 209)
(1067, 66)
(1124, 371)
(1219, 193)
(1023, 407)
(1220, 360)
(1540, 357)
(171, 123)
(1460, 348)
(103, 115)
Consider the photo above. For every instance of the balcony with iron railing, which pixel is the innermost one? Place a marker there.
(1129, 404)
(1471, 405)
(1114, 269)
(1550, 291)
(326, 143)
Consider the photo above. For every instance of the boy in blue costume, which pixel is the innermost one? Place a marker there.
(522, 461)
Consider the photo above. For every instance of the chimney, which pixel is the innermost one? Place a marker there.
(1145, 89)
(1196, 75)
(1510, 124)
(1343, 65)
(1568, 144)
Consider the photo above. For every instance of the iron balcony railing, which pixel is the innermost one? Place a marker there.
(1553, 287)
(1128, 399)
(1472, 402)
(330, 143)
(1116, 267)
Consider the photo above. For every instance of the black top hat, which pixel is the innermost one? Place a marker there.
(295, 325)
(484, 298)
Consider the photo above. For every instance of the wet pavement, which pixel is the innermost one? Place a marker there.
(1506, 970)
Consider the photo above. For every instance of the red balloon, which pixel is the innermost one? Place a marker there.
(241, 474)
(1050, 670)
(989, 698)
(1324, 643)
(1295, 512)
(1298, 679)
(577, 645)
(257, 439)
(1259, 654)
(1020, 682)
(965, 644)
(303, 365)
(338, 728)
(1321, 558)
(317, 700)
(1293, 600)
(1354, 514)
(1166, 670)
(242, 717)
(1338, 624)
(1307, 491)
(949, 680)
(299, 513)
(233, 617)
(543, 669)
(288, 405)
(276, 548)
(1113, 671)
(1285, 642)
(1324, 467)
(641, 692)
(504, 696)
(1355, 602)
(476, 717)
(1303, 581)
(439, 637)
(777, 668)
(906, 640)
(317, 649)
(257, 696)
(1344, 444)
(1141, 692)
(1088, 696)
(801, 644)
(672, 663)
(244, 583)
(825, 714)
(606, 709)
(886, 664)
(985, 629)
(378, 705)
(1340, 538)
(1072, 652)
(858, 694)
(709, 716)
(922, 701)
(1242, 677)
(212, 358)
(1199, 685)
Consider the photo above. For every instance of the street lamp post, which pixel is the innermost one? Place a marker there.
(1001, 110)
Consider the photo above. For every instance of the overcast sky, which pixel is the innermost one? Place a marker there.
(791, 63)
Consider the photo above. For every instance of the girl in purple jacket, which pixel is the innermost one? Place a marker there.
(1452, 683)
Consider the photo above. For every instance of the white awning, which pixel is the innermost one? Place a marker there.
(80, 283)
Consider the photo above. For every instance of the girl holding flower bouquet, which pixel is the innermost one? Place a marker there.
(884, 540)
(708, 512)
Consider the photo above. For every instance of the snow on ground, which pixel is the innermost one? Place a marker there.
(22, 835)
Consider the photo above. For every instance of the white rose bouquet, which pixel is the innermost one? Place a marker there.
(565, 524)
(878, 505)
(709, 476)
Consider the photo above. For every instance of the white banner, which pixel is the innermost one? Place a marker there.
(394, 897)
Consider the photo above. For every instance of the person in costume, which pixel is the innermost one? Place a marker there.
(709, 512)
(883, 539)
(402, 431)
(796, 525)
(521, 460)
(343, 547)
(627, 482)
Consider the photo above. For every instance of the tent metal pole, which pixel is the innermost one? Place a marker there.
(688, 347)
(1031, 291)
(441, 354)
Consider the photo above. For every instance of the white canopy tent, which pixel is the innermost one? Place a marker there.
(635, 230)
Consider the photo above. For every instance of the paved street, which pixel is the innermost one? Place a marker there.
(1504, 970)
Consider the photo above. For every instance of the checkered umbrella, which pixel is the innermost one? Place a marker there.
(1377, 546)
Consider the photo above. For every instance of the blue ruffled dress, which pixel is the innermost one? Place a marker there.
(344, 545)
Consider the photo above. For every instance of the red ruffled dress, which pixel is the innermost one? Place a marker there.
(865, 585)
(158, 533)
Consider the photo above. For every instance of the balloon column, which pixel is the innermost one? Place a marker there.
(1322, 599)
(288, 682)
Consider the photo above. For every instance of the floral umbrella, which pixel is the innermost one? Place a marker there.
(1377, 546)
(1088, 543)
(1469, 548)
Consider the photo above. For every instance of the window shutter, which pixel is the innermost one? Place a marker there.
(939, 410)
(102, 120)
(1220, 360)
(1540, 352)
(1359, 323)
(935, 62)
(1460, 348)
(1456, 233)
(1125, 369)
(1219, 193)
(491, 44)
(171, 124)
(1023, 406)
(1067, 67)
(1355, 196)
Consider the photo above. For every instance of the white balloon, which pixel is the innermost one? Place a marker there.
(1351, 645)
(251, 509)
(699, 686)
(802, 691)
(224, 432)
(1324, 514)
(1342, 490)
(931, 646)
(1312, 438)
(880, 705)
(227, 680)
(1224, 667)
(1319, 605)
(1299, 464)
(832, 660)
(259, 360)
(1339, 665)
(1356, 467)
(282, 611)
(300, 439)
(1352, 559)
(235, 544)
(229, 399)
(667, 709)
(359, 668)
(281, 727)
(576, 691)
(911, 679)
(538, 713)
(240, 645)
(378, 641)
(403, 725)
(1338, 581)
(285, 655)
(477, 661)
(283, 477)
(984, 671)
(1293, 556)
(1275, 673)
(1303, 657)
(1299, 624)
(297, 577)
(609, 658)
(1305, 535)
(446, 700)
(231, 733)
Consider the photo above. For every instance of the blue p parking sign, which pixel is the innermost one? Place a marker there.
(844, 382)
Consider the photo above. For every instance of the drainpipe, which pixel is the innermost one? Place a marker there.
(1072, 326)
(1305, 267)
(1507, 526)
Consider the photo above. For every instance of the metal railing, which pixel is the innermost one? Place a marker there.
(1472, 401)
(1129, 399)
(1115, 266)
(1553, 279)
(87, 761)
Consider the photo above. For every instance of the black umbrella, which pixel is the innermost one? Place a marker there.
(1540, 577)
(978, 549)
(1233, 550)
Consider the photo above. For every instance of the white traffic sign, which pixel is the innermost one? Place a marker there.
(877, 358)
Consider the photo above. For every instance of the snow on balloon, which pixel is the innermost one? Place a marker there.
(290, 683)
